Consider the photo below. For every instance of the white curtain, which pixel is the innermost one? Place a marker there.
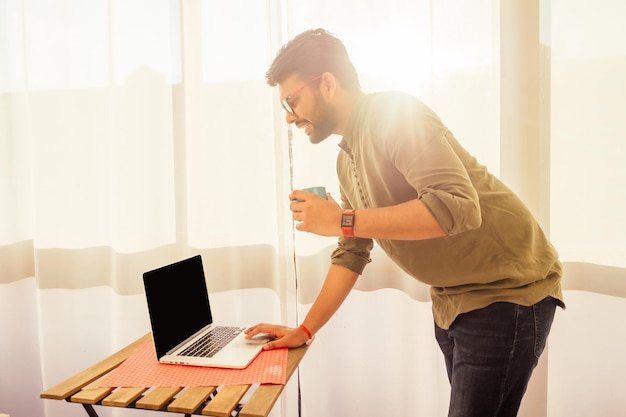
(588, 206)
(135, 133)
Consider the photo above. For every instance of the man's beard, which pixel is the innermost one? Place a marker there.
(325, 122)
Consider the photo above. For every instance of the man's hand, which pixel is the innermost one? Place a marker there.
(315, 214)
(284, 336)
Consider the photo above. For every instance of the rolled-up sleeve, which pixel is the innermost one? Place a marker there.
(353, 254)
(418, 146)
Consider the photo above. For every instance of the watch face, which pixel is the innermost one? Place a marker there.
(347, 220)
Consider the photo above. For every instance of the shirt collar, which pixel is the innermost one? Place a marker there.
(353, 121)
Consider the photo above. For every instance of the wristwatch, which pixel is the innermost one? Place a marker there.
(347, 223)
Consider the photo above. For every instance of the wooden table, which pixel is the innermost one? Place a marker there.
(216, 401)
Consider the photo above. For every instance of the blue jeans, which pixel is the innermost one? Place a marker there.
(490, 355)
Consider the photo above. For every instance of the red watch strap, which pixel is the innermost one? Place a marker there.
(347, 223)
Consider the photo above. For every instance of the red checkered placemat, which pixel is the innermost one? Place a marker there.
(142, 369)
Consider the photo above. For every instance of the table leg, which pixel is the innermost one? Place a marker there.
(90, 410)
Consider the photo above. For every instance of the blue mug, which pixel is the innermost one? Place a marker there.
(321, 191)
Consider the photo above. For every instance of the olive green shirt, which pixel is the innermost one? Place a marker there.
(396, 149)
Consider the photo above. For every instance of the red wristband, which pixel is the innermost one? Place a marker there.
(305, 330)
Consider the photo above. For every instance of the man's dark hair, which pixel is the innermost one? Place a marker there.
(312, 53)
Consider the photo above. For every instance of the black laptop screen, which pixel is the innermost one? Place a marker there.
(178, 302)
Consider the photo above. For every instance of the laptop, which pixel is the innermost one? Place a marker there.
(183, 329)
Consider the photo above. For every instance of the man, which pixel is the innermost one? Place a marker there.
(406, 182)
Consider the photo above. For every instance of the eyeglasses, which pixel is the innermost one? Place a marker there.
(286, 101)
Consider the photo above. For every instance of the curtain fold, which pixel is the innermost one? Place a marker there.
(136, 133)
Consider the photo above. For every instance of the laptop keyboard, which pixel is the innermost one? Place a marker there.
(209, 344)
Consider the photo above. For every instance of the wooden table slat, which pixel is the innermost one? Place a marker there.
(123, 397)
(157, 398)
(91, 395)
(265, 396)
(262, 400)
(294, 358)
(73, 384)
(226, 400)
(190, 400)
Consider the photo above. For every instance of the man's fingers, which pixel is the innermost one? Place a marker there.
(274, 344)
(273, 330)
(254, 330)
